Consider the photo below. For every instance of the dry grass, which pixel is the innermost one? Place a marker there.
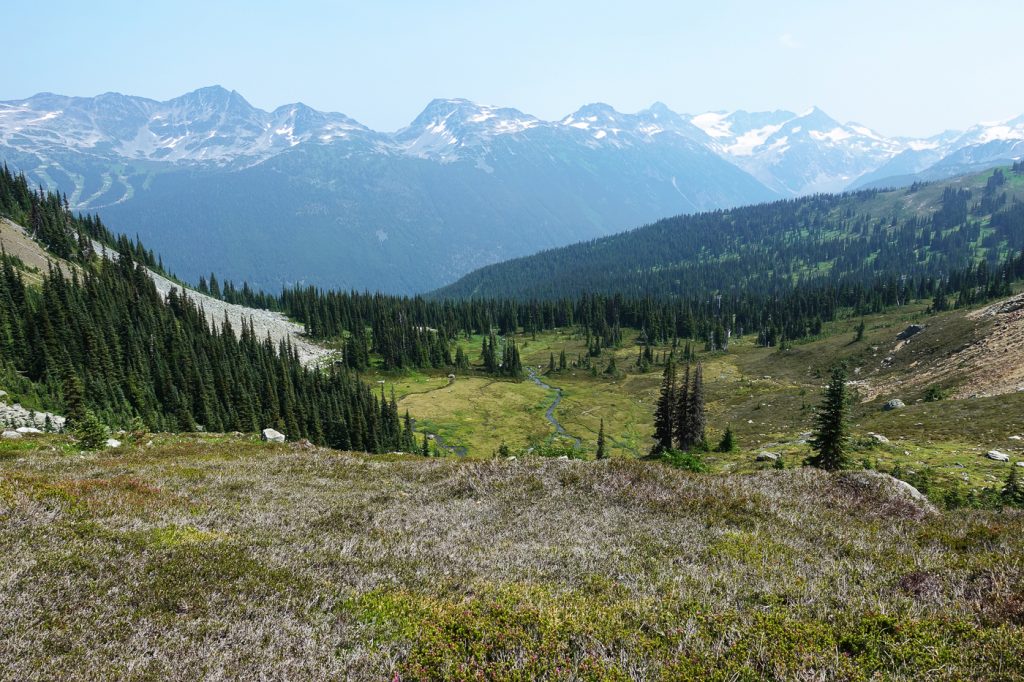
(225, 558)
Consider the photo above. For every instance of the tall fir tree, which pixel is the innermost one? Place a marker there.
(682, 437)
(664, 413)
(829, 439)
(696, 418)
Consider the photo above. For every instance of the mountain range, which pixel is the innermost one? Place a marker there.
(461, 186)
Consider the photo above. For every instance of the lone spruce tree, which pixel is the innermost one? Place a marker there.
(682, 423)
(1012, 493)
(601, 454)
(728, 442)
(829, 440)
(665, 412)
(695, 417)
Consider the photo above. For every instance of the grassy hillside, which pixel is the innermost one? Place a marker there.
(208, 557)
(960, 379)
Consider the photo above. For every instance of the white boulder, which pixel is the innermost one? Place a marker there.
(272, 436)
(997, 456)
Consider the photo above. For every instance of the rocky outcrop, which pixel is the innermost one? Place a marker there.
(15, 416)
(896, 488)
(272, 436)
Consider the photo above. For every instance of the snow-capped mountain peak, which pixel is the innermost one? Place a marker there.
(791, 153)
(448, 125)
(208, 125)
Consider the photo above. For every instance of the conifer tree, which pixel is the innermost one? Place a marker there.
(829, 439)
(1012, 493)
(611, 369)
(665, 411)
(696, 419)
(461, 360)
(728, 443)
(601, 454)
(90, 432)
(682, 435)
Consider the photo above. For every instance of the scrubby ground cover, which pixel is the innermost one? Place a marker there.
(220, 557)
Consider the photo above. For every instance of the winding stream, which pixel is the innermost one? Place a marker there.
(550, 413)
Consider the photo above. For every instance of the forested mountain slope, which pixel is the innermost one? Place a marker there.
(923, 231)
(107, 342)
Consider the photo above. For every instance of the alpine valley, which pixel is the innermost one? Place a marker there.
(462, 186)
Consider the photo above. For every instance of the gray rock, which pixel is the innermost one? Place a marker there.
(1016, 438)
(272, 436)
(912, 330)
(766, 456)
(901, 488)
(880, 438)
(894, 404)
(1020, 464)
(27, 429)
(11, 435)
(997, 456)
(113, 443)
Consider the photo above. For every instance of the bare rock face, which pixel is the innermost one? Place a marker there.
(272, 436)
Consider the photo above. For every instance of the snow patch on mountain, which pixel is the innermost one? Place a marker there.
(787, 152)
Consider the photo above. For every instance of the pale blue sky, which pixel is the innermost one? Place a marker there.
(901, 67)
